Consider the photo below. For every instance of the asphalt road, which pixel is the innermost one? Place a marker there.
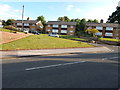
(78, 70)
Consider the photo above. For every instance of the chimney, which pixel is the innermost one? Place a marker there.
(28, 18)
(101, 21)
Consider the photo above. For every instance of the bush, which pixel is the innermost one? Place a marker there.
(10, 27)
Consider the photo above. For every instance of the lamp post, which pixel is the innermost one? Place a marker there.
(22, 17)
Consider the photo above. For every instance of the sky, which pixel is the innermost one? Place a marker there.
(88, 9)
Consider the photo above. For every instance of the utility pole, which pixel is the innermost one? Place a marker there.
(22, 17)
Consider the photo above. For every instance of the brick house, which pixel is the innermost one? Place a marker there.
(110, 30)
(29, 25)
(60, 27)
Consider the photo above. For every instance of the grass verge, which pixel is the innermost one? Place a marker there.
(110, 39)
(42, 42)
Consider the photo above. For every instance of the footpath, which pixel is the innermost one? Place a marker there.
(21, 53)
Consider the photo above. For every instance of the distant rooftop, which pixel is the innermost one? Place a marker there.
(26, 21)
(103, 24)
(61, 23)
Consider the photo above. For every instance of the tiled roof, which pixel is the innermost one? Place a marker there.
(61, 23)
(103, 24)
(26, 21)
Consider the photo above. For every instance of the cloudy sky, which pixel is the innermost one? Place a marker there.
(89, 9)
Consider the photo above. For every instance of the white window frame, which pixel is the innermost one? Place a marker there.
(109, 34)
(63, 26)
(71, 31)
(99, 28)
(109, 28)
(48, 25)
(26, 24)
(99, 34)
(63, 31)
(71, 26)
(48, 30)
(55, 30)
(33, 24)
(19, 24)
(55, 25)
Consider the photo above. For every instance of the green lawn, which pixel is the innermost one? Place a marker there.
(71, 37)
(110, 39)
(5, 30)
(42, 42)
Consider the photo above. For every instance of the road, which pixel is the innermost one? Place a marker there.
(78, 70)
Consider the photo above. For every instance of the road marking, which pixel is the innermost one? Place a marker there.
(109, 58)
(28, 69)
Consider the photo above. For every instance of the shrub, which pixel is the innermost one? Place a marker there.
(10, 27)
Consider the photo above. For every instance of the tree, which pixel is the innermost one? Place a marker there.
(66, 19)
(9, 22)
(115, 16)
(92, 31)
(3, 23)
(95, 21)
(61, 19)
(90, 21)
(42, 19)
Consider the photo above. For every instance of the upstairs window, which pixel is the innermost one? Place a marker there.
(63, 26)
(19, 23)
(26, 24)
(99, 28)
(48, 25)
(71, 26)
(109, 28)
(55, 25)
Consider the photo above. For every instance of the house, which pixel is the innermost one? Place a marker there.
(110, 30)
(1, 24)
(60, 27)
(29, 25)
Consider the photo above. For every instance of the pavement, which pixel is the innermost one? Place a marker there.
(20, 53)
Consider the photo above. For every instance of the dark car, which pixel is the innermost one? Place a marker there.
(35, 32)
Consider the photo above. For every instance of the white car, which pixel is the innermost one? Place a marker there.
(53, 35)
(25, 31)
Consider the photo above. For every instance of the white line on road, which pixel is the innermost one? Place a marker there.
(109, 58)
(28, 69)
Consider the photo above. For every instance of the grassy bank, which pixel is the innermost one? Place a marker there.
(42, 42)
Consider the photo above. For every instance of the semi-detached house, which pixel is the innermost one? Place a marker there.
(29, 25)
(60, 27)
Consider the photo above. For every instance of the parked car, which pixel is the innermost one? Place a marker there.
(53, 35)
(26, 31)
(35, 32)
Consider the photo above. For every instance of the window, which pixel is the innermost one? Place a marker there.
(71, 26)
(55, 30)
(109, 34)
(26, 24)
(55, 25)
(63, 26)
(63, 31)
(26, 29)
(48, 25)
(89, 27)
(99, 34)
(109, 28)
(33, 28)
(99, 28)
(33, 24)
(20, 28)
(19, 23)
(71, 31)
(48, 30)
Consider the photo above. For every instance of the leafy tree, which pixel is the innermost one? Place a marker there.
(61, 19)
(3, 22)
(66, 19)
(9, 22)
(95, 21)
(92, 31)
(90, 21)
(42, 19)
(115, 16)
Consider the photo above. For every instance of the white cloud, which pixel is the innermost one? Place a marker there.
(8, 12)
(69, 7)
(78, 9)
(101, 12)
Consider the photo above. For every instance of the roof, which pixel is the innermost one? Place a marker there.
(26, 21)
(103, 24)
(61, 23)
